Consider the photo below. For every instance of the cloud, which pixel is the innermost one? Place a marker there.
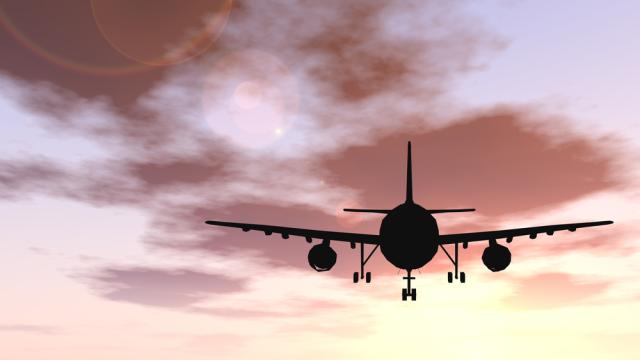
(34, 329)
(61, 44)
(161, 145)
(18, 179)
(496, 162)
(161, 287)
(325, 50)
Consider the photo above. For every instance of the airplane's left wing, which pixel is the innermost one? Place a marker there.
(306, 233)
(509, 234)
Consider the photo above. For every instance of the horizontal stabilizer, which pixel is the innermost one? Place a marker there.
(431, 211)
(439, 211)
(380, 211)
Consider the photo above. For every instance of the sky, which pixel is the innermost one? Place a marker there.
(125, 124)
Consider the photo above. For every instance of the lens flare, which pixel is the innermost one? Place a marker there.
(249, 97)
(46, 39)
(249, 94)
(161, 32)
(81, 36)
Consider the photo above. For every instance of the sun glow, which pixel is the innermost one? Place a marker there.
(250, 98)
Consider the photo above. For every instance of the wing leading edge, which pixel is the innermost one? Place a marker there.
(509, 234)
(309, 234)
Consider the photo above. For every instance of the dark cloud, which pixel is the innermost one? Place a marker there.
(174, 172)
(19, 178)
(353, 51)
(498, 163)
(95, 183)
(162, 287)
(60, 43)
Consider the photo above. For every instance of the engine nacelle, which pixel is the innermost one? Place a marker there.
(322, 257)
(496, 257)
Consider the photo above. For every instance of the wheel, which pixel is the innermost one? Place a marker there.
(356, 277)
(462, 277)
(367, 277)
(404, 294)
(450, 277)
(413, 294)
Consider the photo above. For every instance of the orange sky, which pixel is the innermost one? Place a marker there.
(128, 123)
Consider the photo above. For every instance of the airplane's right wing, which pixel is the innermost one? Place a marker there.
(508, 234)
(306, 233)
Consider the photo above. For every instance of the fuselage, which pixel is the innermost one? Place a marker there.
(409, 236)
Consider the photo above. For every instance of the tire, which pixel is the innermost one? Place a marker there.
(463, 277)
(367, 277)
(355, 277)
(404, 294)
(413, 294)
(450, 277)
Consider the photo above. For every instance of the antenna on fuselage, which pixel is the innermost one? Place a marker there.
(409, 198)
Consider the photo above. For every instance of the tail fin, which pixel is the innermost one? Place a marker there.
(409, 198)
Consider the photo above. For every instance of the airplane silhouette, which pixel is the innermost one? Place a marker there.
(409, 239)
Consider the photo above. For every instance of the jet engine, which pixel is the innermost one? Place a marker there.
(322, 257)
(496, 257)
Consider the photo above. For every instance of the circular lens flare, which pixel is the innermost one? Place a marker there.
(161, 32)
(46, 39)
(250, 97)
(249, 94)
(143, 33)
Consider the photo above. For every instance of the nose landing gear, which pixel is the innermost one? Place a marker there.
(409, 292)
(461, 276)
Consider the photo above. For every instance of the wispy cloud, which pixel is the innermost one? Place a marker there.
(160, 287)
(33, 329)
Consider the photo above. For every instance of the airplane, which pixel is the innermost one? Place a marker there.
(409, 239)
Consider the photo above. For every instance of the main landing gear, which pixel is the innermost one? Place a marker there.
(357, 276)
(409, 292)
(455, 261)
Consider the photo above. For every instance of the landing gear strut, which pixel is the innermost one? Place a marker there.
(409, 292)
(455, 261)
(357, 276)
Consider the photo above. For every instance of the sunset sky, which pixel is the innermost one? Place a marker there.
(127, 123)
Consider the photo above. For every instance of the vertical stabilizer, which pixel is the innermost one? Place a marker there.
(409, 198)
